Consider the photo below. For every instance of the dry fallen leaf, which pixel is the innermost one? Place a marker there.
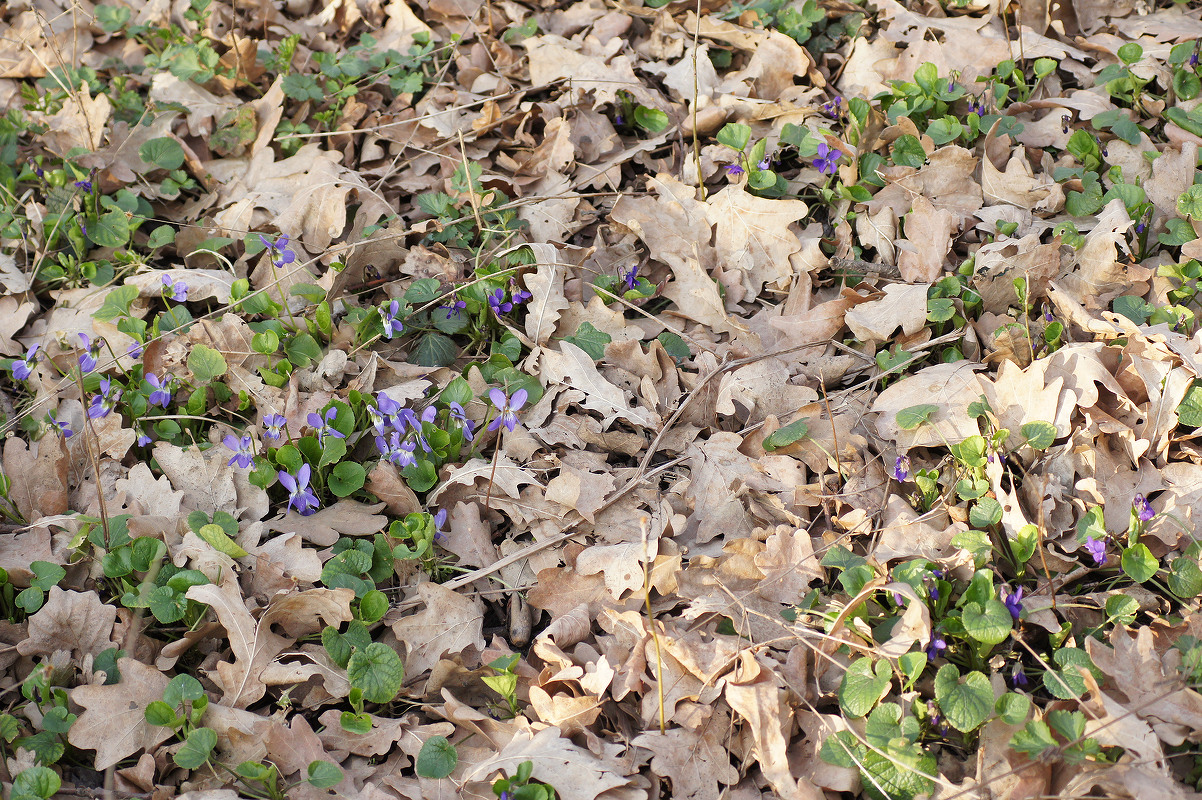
(113, 722)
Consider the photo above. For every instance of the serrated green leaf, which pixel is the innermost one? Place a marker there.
(216, 536)
(1034, 739)
(206, 364)
(110, 230)
(346, 478)
(989, 625)
(1189, 412)
(197, 749)
(674, 345)
(863, 686)
(355, 723)
(1040, 435)
(1066, 682)
(422, 291)
(116, 302)
(843, 750)
(793, 432)
(35, 782)
(1138, 563)
(735, 136)
(435, 350)
(164, 152)
(1189, 204)
(437, 758)
(650, 119)
(1185, 579)
(323, 774)
(1013, 707)
(910, 418)
(966, 702)
(161, 714)
(378, 671)
(590, 340)
(985, 512)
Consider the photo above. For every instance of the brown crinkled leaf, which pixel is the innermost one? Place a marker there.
(754, 694)
(574, 367)
(205, 477)
(752, 235)
(576, 773)
(469, 537)
(697, 760)
(80, 123)
(928, 241)
(448, 623)
(949, 387)
(113, 722)
(507, 479)
(902, 306)
(545, 285)
(38, 476)
(385, 482)
(77, 622)
(254, 644)
(582, 491)
(344, 518)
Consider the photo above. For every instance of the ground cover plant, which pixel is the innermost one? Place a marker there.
(513, 400)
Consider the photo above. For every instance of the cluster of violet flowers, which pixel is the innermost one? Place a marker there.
(517, 296)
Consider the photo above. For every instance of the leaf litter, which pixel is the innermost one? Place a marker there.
(774, 398)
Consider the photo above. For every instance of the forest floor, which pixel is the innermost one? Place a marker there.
(588, 400)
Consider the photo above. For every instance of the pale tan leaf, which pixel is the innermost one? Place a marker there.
(574, 367)
(448, 623)
(77, 622)
(113, 722)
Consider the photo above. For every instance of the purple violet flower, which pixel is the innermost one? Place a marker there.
(300, 496)
(383, 413)
(764, 163)
(394, 450)
(827, 160)
(1097, 550)
(734, 170)
(23, 367)
(161, 396)
(1014, 602)
(1018, 677)
(901, 469)
(938, 645)
(1193, 60)
(392, 325)
(244, 450)
(518, 295)
(508, 408)
(62, 426)
(87, 360)
(178, 289)
(1143, 509)
(135, 350)
(143, 439)
(274, 426)
(1064, 120)
(86, 185)
(631, 278)
(466, 425)
(440, 520)
(103, 403)
(322, 425)
(281, 255)
(454, 307)
(833, 108)
(497, 302)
